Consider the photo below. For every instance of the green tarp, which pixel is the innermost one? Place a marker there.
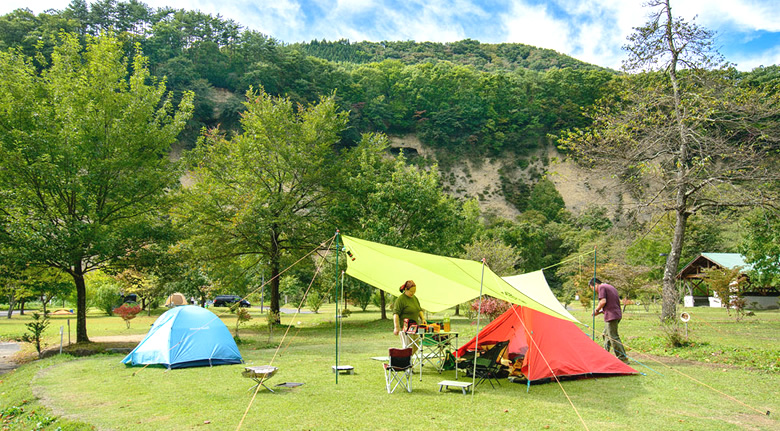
(443, 282)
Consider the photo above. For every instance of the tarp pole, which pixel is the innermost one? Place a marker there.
(593, 325)
(476, 345)
(337, 306)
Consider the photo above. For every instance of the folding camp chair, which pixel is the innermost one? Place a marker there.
(489, 365)
(399, 370)
(435, 349)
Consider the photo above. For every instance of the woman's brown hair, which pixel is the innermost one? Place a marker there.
(407, 285)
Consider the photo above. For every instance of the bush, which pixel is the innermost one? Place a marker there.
(491, 307)
(106, 297)
(291, 288)
(376, 298)
(36, 327)
(127, 312)
(314, 302)
(242, 316)
(674, 335)
(362, 296)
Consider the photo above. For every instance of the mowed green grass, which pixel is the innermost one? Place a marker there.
(98, 391)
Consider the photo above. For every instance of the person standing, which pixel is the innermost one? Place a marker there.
(407, 311)
(609, 304)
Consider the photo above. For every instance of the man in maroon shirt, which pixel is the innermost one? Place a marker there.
(609, 304)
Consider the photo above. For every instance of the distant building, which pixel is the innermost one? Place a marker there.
(698, 293)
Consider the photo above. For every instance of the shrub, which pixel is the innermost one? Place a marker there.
(362, 295)
(36, 327)
(106, 297)
(314, 302)
(376, 298)
(242, 316)
(291, 289)
(127, 312)
(491, 307)
(674, 335)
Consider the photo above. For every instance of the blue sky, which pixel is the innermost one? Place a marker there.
(590, 30)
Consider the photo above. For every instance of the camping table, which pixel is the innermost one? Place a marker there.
(437, 344)
(260, 375)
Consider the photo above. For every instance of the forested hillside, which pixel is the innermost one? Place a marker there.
(462, 97)
(483, 56)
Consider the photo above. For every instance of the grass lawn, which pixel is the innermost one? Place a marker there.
(737, 360)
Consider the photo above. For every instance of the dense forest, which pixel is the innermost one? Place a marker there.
(462, 99)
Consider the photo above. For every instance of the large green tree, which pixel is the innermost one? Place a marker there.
(683, 134)
(388, 201)
(84, 165)
(267, 191)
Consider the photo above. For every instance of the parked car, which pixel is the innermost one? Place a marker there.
(132, 297)
(228, 300)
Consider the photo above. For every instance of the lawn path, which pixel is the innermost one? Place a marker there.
(7, 350)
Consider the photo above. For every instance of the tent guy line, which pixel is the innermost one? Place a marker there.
(276, 352)
(546, 362)
(695, 380)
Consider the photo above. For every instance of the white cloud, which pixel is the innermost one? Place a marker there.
(277, 18)
(745, 15)
(534, 25)
(749, 61)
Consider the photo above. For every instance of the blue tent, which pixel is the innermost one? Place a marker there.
(187, 336)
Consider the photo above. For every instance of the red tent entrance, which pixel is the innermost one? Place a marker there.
(555, 346)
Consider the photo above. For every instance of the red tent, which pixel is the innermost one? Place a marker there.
(554, 345)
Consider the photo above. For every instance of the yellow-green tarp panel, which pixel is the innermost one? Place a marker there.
(534, 285)
(442, 282)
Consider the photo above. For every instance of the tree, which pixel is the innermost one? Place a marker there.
(131, 280)
(684, 135)
(546, 199)
(387, 201)
(266, 192)
(761, 246)
(726, 283)
(500, 257)
(83, 157)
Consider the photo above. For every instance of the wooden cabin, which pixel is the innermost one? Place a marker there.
(698, 293)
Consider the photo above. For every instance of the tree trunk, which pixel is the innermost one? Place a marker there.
(669, 304)
(21, 307)
(382, 304)
(11, 304)
(81, 304)
(275, 277)
(275, 289)
(457, 310)
(670, 299)
(43, 303)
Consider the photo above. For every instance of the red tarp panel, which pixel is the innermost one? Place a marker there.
(555, 344)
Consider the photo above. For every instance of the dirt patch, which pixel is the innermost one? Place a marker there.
(96, 346)
(134, 338)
